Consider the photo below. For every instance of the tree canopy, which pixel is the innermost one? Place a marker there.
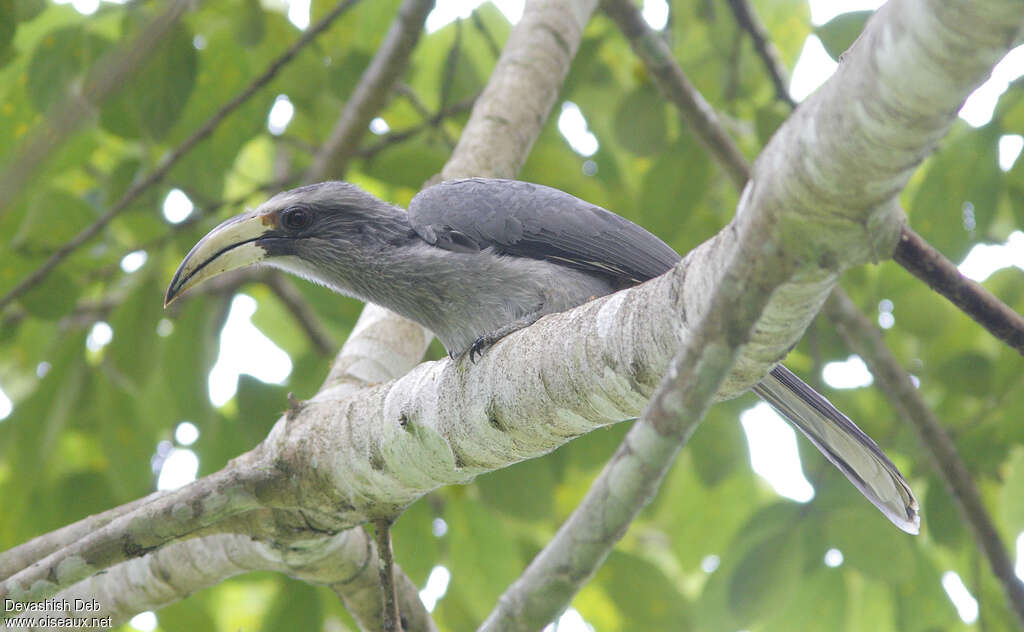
(111, 121)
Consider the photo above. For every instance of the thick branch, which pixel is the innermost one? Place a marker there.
(63, 121)
(631, 479)
(173, 516)
(865, 340)
(181, 568)
(168, 162)
(371, 92)
(928, 264)
(24, 555)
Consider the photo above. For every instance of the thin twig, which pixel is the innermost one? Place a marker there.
(386, 570)
(393, 138)
(481, 27)
(64, 120)
(371, 93)
(172, 158)
(693, 108)
(747, 18)
(865, 340)
(919, 258)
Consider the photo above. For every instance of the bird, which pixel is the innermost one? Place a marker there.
(475, 259)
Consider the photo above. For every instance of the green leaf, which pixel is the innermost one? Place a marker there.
(417, 549)
(953, 205)
(839, 33)
(820, 603)
(54, 217)
(153, 101)
(133, 349)
(716, 449)
(53, 297)
(26, 10)
(486, 560)
(941, 516)
(640, 124)
(8, 24)
(1012, 500)
(61, 57)
(411, 163)
(252, 25)
(871, 544)
(525, 490)
(645, 596)
(766, 577)
(296, 606)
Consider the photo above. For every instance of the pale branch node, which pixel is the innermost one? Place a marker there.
(866, 341)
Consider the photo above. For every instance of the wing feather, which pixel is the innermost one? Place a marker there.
(532, 220)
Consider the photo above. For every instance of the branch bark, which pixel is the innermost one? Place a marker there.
(747, 18)
(866, 341)
(930, 266)
(630, 479)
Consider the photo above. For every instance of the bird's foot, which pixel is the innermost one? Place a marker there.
(480, 345)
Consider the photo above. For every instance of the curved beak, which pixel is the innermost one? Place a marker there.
(233, 244)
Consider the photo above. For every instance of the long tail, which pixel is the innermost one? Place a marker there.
(844, 444)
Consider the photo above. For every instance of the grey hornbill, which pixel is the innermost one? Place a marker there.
(476, 259)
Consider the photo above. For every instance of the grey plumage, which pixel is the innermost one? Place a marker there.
(476, 259)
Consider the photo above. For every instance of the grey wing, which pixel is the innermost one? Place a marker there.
(532, 220)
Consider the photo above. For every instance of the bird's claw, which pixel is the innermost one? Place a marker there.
(476, 350)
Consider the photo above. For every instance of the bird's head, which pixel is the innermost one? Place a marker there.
(308, 231)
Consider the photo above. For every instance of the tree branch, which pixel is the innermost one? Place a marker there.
(919, 258)
(168, 162)
(524, 85)
(182, 568)
(866, 341)
(371, 92)
(64, 120)
(631, 477)
(133, 534)
(648, 45)
(392, 138)
(747, 18)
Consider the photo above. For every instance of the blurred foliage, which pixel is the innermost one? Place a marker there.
(716, 550)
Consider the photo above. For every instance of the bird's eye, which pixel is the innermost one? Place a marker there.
(296, 218)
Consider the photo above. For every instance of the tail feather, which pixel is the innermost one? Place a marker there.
(844, 444)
